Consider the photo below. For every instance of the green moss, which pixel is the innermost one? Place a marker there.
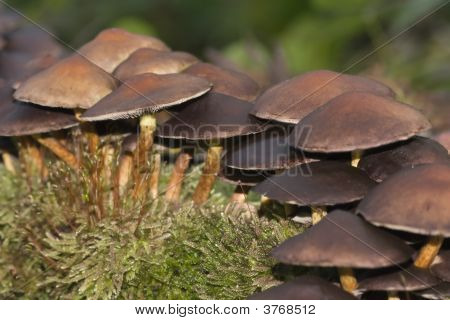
(51, 249)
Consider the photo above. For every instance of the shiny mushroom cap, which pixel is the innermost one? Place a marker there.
(214, 116)
(34, 41)
(147, 60)
(293, 99)
(414, 200)
(320, 183)
(241, 177)
(225, 81)
(410, 279)
(342, 239)
(268, 150)
(357, 121)
(147, 93)
(113, 46)
(304, 288)
(380, 164)
(71, 83)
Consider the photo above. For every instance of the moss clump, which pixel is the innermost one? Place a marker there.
(52, 249)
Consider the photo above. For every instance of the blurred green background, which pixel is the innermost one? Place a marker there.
(272, 40)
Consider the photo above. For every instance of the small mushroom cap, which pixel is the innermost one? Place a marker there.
(268, 150)
(414, 200)
(225, 81)
(304, 288)
(444, 139)
(342, 239)
(71, 83)
(441, 266)
(214, 116)
(320, 183)
(357, 121)
(147, 93)
(241, 177)
(410, 279)
(419, 150)
(293, 99)
(153, 61)
(20, 119)
(113, 46)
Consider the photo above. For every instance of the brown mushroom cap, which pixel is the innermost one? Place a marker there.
(293, 99)
(437, 292)
(268, 150)
(304, 288)
(342, 239)
(419, 150)
(410, 279)
(153, 61)
(214, 116)
(113, 46)
(320, 183)
(444, 139)
(441, 266)
(147, 93)
(357, 121)
(225, 81)
(415, 200)
(70, 83)
(20, 119)
(9, 21)
(241, 177)
(129, 144)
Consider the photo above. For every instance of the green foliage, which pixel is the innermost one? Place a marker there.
(51, 250)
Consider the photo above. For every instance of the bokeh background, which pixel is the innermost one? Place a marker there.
(273, 40)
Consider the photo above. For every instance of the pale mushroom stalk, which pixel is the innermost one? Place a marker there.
(393, 295)
(347, 279)
(154, 175)
(209, 174)
(32, 157)
(317, 214)
(147, 126)
(59, 150)
(176, 178)
(428, 252)
(9, 162)
(356, 157)
(240, 194)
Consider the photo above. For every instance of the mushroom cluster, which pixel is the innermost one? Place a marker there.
(323, 141)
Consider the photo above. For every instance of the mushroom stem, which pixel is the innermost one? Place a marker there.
(107, 162)
(393, 295)
(154, 175)
(240, 194)
(348, 280)
(8, 162)
(428, 252)
(209, 173)
(124, 171)
(176, 178)
(59, 150)
(317, 214)
(33, 158)
(356, 157)
(147, 126)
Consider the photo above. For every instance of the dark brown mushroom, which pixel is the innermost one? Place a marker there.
(317, 184)
(441, 266)
(343, 240)
(438, 292)
(225, 81)
(357, 121)
(415, 200)
(147, 60)
(291, 100)
(379, 164)
(113, 46)
(409, 279)
(304, 288)
(211, 118)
